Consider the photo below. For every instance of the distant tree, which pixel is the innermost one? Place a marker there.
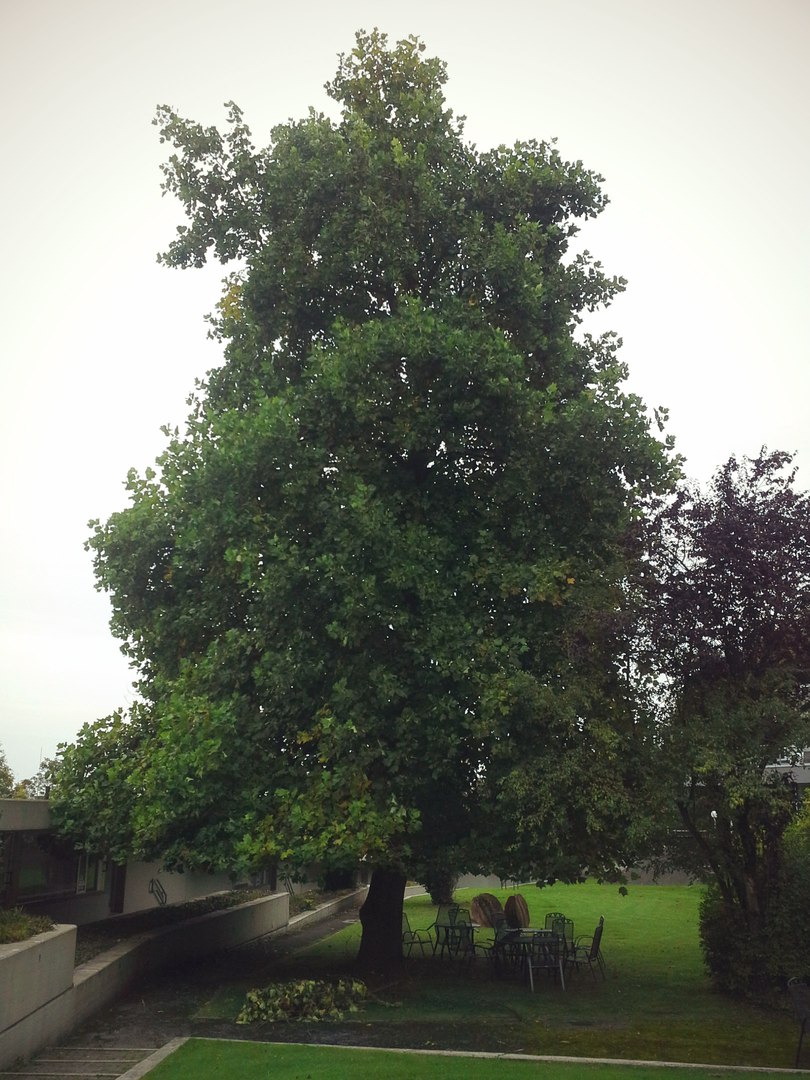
(6, 776)
(39, 785)
(355, 586)
(726, 622)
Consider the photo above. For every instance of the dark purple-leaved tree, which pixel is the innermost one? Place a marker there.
(725, 645)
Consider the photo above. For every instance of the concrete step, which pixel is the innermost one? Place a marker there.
(81, 1062)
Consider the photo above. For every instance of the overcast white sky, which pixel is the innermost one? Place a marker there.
(694, 111)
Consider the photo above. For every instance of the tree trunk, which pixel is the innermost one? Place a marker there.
(381, 919)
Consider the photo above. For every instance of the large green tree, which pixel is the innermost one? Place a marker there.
(365, 588)
(725, 633)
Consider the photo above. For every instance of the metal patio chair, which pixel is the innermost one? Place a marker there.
(461, 939)
(546, 953)
(498, 951)
(556, 921)
(588, 951)
(445, 917)
(414, 937)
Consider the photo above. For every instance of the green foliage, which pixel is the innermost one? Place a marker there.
(39, 785)
(370, 589)
(18, 925)
(299, 903)
(6, 776)
(306, 999)
(96, 784)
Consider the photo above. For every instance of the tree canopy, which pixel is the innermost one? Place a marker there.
(725, 623)
(366, 587)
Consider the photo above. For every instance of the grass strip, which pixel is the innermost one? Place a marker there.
(202, 1059)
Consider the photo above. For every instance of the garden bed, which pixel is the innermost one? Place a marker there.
(19, 925)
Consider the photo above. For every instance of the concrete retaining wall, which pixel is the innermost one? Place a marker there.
(34, 972)
(101, 980)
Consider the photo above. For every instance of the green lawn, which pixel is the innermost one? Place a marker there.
(203, 1059)
(656, 1003)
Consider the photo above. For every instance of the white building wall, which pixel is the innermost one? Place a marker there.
(178, 888)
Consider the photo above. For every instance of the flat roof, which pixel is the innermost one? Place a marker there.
(800, 774)
(24, 815)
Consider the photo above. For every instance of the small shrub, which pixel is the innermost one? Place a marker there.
(18, 925)
(758, 963)
(734, 957)
(302, 902)
(306, 999)
(787, 919)
(440, 882)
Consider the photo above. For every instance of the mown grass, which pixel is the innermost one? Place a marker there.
(657, 1002)
(202, 1059)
